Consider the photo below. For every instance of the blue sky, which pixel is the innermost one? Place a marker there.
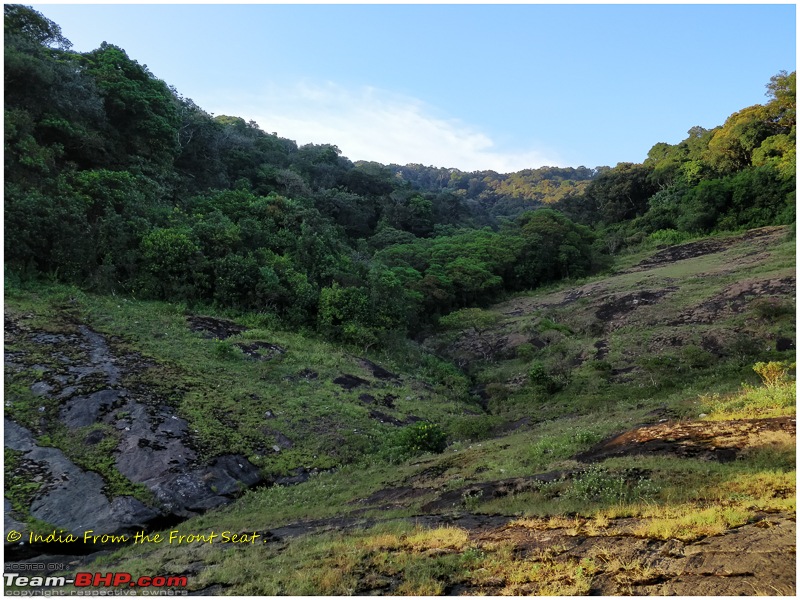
(501, 87)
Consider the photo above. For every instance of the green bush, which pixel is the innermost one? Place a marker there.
(695, 357)
(525, 351)
(422, 437)
(773, 373)
(542, 378)
(601, 366)
(473, 428)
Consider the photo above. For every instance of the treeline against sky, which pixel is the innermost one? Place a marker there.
(115, 182)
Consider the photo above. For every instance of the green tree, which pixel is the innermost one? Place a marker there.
(782, 90)
(142, 111)
(173, 259)
(553, 247)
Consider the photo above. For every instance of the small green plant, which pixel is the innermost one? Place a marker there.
(605, 487)
(224, 350)
(546, 324)
(472, 499)
(751, 402)
(18, 489)
(695, 357)
(601, 366)
(667, 237)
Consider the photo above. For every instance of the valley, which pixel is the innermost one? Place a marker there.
(599, 439)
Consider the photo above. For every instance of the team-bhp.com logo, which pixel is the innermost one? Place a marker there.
(95, 580)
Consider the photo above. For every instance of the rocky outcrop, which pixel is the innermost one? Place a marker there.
(154, 446)
(70, 498)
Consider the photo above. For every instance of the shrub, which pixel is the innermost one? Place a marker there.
(525, 351)
(542, 378)
(225, 350)
(606, 487)
(695, 357)
(773, 373)
(601, 366)
(473, 428)
(771, 309)
(422, 437)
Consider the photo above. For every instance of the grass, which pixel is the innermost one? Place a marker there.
(751, 403)
(400, 558)
(224, 395)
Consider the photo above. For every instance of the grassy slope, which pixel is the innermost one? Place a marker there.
(663, 497)
(234, 403)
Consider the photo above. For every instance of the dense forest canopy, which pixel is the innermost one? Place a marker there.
(116, 182)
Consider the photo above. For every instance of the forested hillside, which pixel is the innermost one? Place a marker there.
(116, 182)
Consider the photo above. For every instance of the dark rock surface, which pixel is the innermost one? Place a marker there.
(71, 498)
(155, 445)
(214, 328)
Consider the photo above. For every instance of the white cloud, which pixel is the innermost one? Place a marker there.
(373, 124)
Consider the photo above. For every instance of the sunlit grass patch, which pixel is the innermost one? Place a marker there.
(759, 491)
(400, 559)
(451, 538)
(692, 524)
(752, 403)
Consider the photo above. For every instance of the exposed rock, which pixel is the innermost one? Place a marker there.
(154, 449)
(299, 475)
(492, 489)
(41, 388)
(673, 254)
(281, 441)
(9, 522)
(71, 498)
(305, 374)
(736, 298)
(384, 418)
(214, 328)
(721, 441)
(376, 370)
(260, 350)
(602, 349)
(153, 453)
(349, 382)
(81, 411)
(618, 306)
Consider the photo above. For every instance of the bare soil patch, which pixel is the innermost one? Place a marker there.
(349, 382)
(376, 370)
(493, 489)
